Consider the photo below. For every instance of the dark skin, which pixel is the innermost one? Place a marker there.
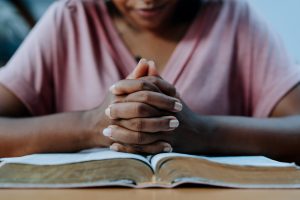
(21, 134)
(141, 109)
(221, 135)
(196, 134)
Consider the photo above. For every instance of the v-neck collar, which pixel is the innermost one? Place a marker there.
(177, 60)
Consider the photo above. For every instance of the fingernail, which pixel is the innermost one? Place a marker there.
(107, 132)
(174, 123)
(107, 112)
(177, 106)
(112, 88)
(151, 63)
(143, 61)
(114, 147)
(168, 148)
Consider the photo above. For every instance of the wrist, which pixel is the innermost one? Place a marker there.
(195, 134)
(208, 129)
(95, 120)
(203, 129)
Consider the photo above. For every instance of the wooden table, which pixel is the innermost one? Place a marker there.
(149, 194)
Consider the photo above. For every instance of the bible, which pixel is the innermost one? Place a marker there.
(103, 167)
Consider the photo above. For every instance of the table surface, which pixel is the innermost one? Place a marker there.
(149, 194)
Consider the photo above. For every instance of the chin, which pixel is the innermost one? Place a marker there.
(150, 24)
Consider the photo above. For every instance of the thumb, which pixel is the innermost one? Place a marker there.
(140, 70)
(152, 70)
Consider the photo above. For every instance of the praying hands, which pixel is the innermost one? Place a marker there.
(147, 116)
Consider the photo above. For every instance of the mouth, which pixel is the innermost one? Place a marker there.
(151, 11)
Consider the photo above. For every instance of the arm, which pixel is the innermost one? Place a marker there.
(53, 133)
(73, 131)
(277, 137)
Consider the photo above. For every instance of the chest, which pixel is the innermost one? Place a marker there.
(158, 50)
(146, 44)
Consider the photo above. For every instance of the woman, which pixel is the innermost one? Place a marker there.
(222, 83)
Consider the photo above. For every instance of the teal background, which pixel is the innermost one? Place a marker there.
(284, 17)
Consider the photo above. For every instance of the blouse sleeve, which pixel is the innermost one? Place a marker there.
(28, 73)
(268, 72)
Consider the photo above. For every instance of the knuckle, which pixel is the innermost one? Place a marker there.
(139, 138)
(153, 80)
(138, 124)
(150, 79)
(163, 124)
(171, 90)
(145, 96)
(143, 84)
(140, 109)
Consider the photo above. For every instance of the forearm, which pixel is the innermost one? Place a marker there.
(65, 132)
(274, 137)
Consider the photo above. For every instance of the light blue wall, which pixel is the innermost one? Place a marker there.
(284, 16)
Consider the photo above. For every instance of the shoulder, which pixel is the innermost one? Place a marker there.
(67, 8)
(238, 8)
(70, 15)
(237, 14)
(229, 15)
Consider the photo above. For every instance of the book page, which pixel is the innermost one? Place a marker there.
(67, 158)
(257, 161)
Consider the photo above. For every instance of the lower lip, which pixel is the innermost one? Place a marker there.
(149, 13)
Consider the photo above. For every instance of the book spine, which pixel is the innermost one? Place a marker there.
(154, 179)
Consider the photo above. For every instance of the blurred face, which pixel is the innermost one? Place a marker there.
(147, 14)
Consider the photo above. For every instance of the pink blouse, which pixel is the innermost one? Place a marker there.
(228, 63)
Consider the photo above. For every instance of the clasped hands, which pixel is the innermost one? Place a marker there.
(146, 114)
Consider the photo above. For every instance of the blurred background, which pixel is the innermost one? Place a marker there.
(284, 17)
(17, 17)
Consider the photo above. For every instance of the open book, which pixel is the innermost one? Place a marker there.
(102, 167)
